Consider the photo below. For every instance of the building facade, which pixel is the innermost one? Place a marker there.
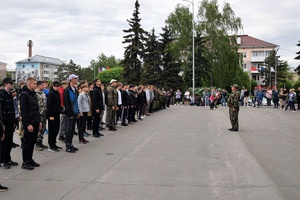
(2, 70)
(39, 67)
(254, 52)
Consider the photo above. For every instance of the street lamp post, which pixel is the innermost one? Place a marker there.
(276, 67)
(192, 2)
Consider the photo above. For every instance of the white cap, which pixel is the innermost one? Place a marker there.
(113, 80)
(72, 76)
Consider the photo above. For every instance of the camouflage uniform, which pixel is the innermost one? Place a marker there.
(112, 100)
(233, 104)
(42, 101)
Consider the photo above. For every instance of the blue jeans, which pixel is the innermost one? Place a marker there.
(223, 101)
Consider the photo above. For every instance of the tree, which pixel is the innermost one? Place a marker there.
(282, 68)
(219, 27)
(134, 52)
(87, 74)
(104, 62)
(65, 70)
(114, 73)
(151, 69)
(171, 65)
(298, 58)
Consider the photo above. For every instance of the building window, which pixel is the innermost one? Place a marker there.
(32, 66)
(268, 53)
(244, 54)
(244, 66)
(258, 53)
(23, 66)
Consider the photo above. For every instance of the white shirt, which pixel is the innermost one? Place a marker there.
(119, 98)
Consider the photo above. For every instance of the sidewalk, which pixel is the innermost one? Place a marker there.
(184, 152)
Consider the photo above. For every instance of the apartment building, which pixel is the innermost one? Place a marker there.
(254, 52)
(39, 67)
(2, 70)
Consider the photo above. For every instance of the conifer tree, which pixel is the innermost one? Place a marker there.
(171, 66)
(152, 62)
(298, 58)
(134, 52)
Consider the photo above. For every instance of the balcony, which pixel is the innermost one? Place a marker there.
(260, 59)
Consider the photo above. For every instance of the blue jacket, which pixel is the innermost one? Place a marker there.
(259, 95)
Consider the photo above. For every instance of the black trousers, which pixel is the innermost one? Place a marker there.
(82, 125)
(29, 142)
(96, 122)
(119, 113)
(89, 122)
(6, 144)
(53, 127)
(125, 111)
(70, 129)
(131, 114)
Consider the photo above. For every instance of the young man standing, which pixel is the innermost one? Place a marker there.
(2, 136)
(71, 111)
(97, 107)
(42, 101)
(31, 121)
(8, 114)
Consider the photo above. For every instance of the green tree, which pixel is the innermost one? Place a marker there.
(282, 68)
(114, 73)
(298, 58)
(65, 70)
(219, 27)
(171, 65)
(87, 74)
(151, 68)
(103, 61)
(134, 52)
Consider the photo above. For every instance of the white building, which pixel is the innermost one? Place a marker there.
(39, 67)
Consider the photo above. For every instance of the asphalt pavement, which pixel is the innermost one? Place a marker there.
(180, 153)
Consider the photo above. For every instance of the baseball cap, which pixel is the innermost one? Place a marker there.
(72, 76)
(113, 80)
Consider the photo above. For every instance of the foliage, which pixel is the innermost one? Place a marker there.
(296, 84)
(221, 50)
(114, 73)
(87, 74)
(65, 70)
(286, 84)
(171, 65)
(134, 52)
(8, 74)
(151, 69)
(104, 62)
(282, 68)
(298, 58)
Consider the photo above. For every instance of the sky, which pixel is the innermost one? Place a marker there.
(82, 29)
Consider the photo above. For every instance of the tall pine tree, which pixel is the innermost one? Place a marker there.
(134, 52)
(171, 66)
(298, 58)
(151, 68)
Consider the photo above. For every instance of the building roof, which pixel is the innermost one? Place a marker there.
(248, 41)
(41, 59)
(1, 63)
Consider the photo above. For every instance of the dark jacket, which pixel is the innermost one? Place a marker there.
(132, 98)
(1, 123)
(7, 104)
(70, 101)
(97, 99)
(29, 107)
(53, 103)
(125, 98)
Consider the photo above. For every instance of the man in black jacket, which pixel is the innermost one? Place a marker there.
(97, 107)
(71, 111)
(2, 136)
(31, 121)
(8, 114)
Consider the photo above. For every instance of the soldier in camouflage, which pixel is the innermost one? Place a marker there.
(233, 104)
(112, 104)
(42, 101)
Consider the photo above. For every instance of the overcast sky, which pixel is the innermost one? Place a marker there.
(82, 29)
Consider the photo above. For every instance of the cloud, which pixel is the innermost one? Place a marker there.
(80, 30)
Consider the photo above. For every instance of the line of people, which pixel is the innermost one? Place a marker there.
(63, 106)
